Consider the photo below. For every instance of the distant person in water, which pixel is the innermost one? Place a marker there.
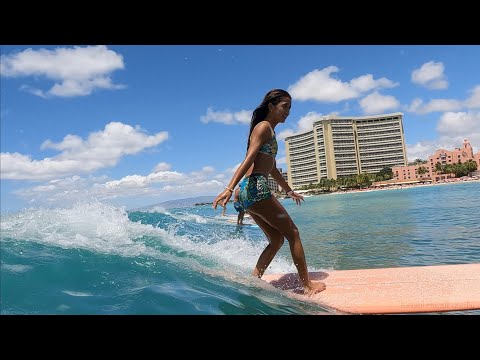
(238, 207)
(224, 209)
(255, 196)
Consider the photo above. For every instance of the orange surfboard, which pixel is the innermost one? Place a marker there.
(416, 289)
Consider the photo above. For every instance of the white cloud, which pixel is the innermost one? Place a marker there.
(231, 171)
(443, 105)
(282, 161)
(376, 103)
(366, 83)
(473, 102)
(154, 187)
(66, 190)
(34, 91)
(162, 166)
(435, 105)
(459, 124)
(452, 129)
(206, 171)
(430, 75)
(304, 124)
(139, 181)
(101, 149)
(194, 189)
(414, 105)
(76, 71)
(420, 150)
(320, 86)
(227, 117)
(286, 133)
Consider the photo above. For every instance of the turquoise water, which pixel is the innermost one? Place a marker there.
(98, 259)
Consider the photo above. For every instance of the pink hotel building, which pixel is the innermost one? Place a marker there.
(444, 157)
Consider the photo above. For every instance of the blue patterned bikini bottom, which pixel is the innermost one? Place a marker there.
(238, 207)
(252, 189)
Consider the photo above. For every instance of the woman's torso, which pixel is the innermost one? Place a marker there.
(265, 159)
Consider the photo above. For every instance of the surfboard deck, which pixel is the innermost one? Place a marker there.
(418, 289)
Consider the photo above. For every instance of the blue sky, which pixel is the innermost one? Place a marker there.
(141, 124)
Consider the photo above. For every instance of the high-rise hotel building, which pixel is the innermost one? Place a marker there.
(342, 146)
(272, 183)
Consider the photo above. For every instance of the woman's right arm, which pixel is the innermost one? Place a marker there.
(260, 135)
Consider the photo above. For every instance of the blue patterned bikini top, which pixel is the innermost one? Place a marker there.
(270, 147)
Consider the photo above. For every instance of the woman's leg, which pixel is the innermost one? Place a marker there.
(275, 243)
(274, 214)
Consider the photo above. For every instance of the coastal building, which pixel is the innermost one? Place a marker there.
(343, 146)
(444, 157)
(272, 184)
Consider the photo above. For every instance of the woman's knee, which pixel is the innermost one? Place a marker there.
(293, 233)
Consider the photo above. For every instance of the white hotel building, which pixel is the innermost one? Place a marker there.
(342, 146)
(272, 183)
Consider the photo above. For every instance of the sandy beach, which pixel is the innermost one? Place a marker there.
(395, 187)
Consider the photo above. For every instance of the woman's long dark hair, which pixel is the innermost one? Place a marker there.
(260, 113)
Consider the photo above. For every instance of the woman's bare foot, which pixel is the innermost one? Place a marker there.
(314, 288)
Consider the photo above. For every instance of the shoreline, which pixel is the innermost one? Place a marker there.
(393, 187)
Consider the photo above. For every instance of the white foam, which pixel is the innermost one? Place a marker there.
(76, 293)
(94, 226)
(155, 209)
(190, 217)
(239, 252)
(16, 268)
(107, 229)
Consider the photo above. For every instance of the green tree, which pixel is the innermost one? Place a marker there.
(418, 162)
(385, 174)
(460, 170)
(422, 170)
(471, 166)
(448, 169)
(323, 184)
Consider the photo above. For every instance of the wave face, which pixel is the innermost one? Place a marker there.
(95, 258)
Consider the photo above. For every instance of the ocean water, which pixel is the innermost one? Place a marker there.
(94, 258)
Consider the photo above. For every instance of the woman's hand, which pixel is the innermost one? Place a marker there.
(225, 195)
(296, 197)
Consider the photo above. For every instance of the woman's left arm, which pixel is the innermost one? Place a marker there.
(279, 178)
(284, 185)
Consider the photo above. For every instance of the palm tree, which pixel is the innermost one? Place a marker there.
(422, 170)
(471, 166)
(419, 161)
